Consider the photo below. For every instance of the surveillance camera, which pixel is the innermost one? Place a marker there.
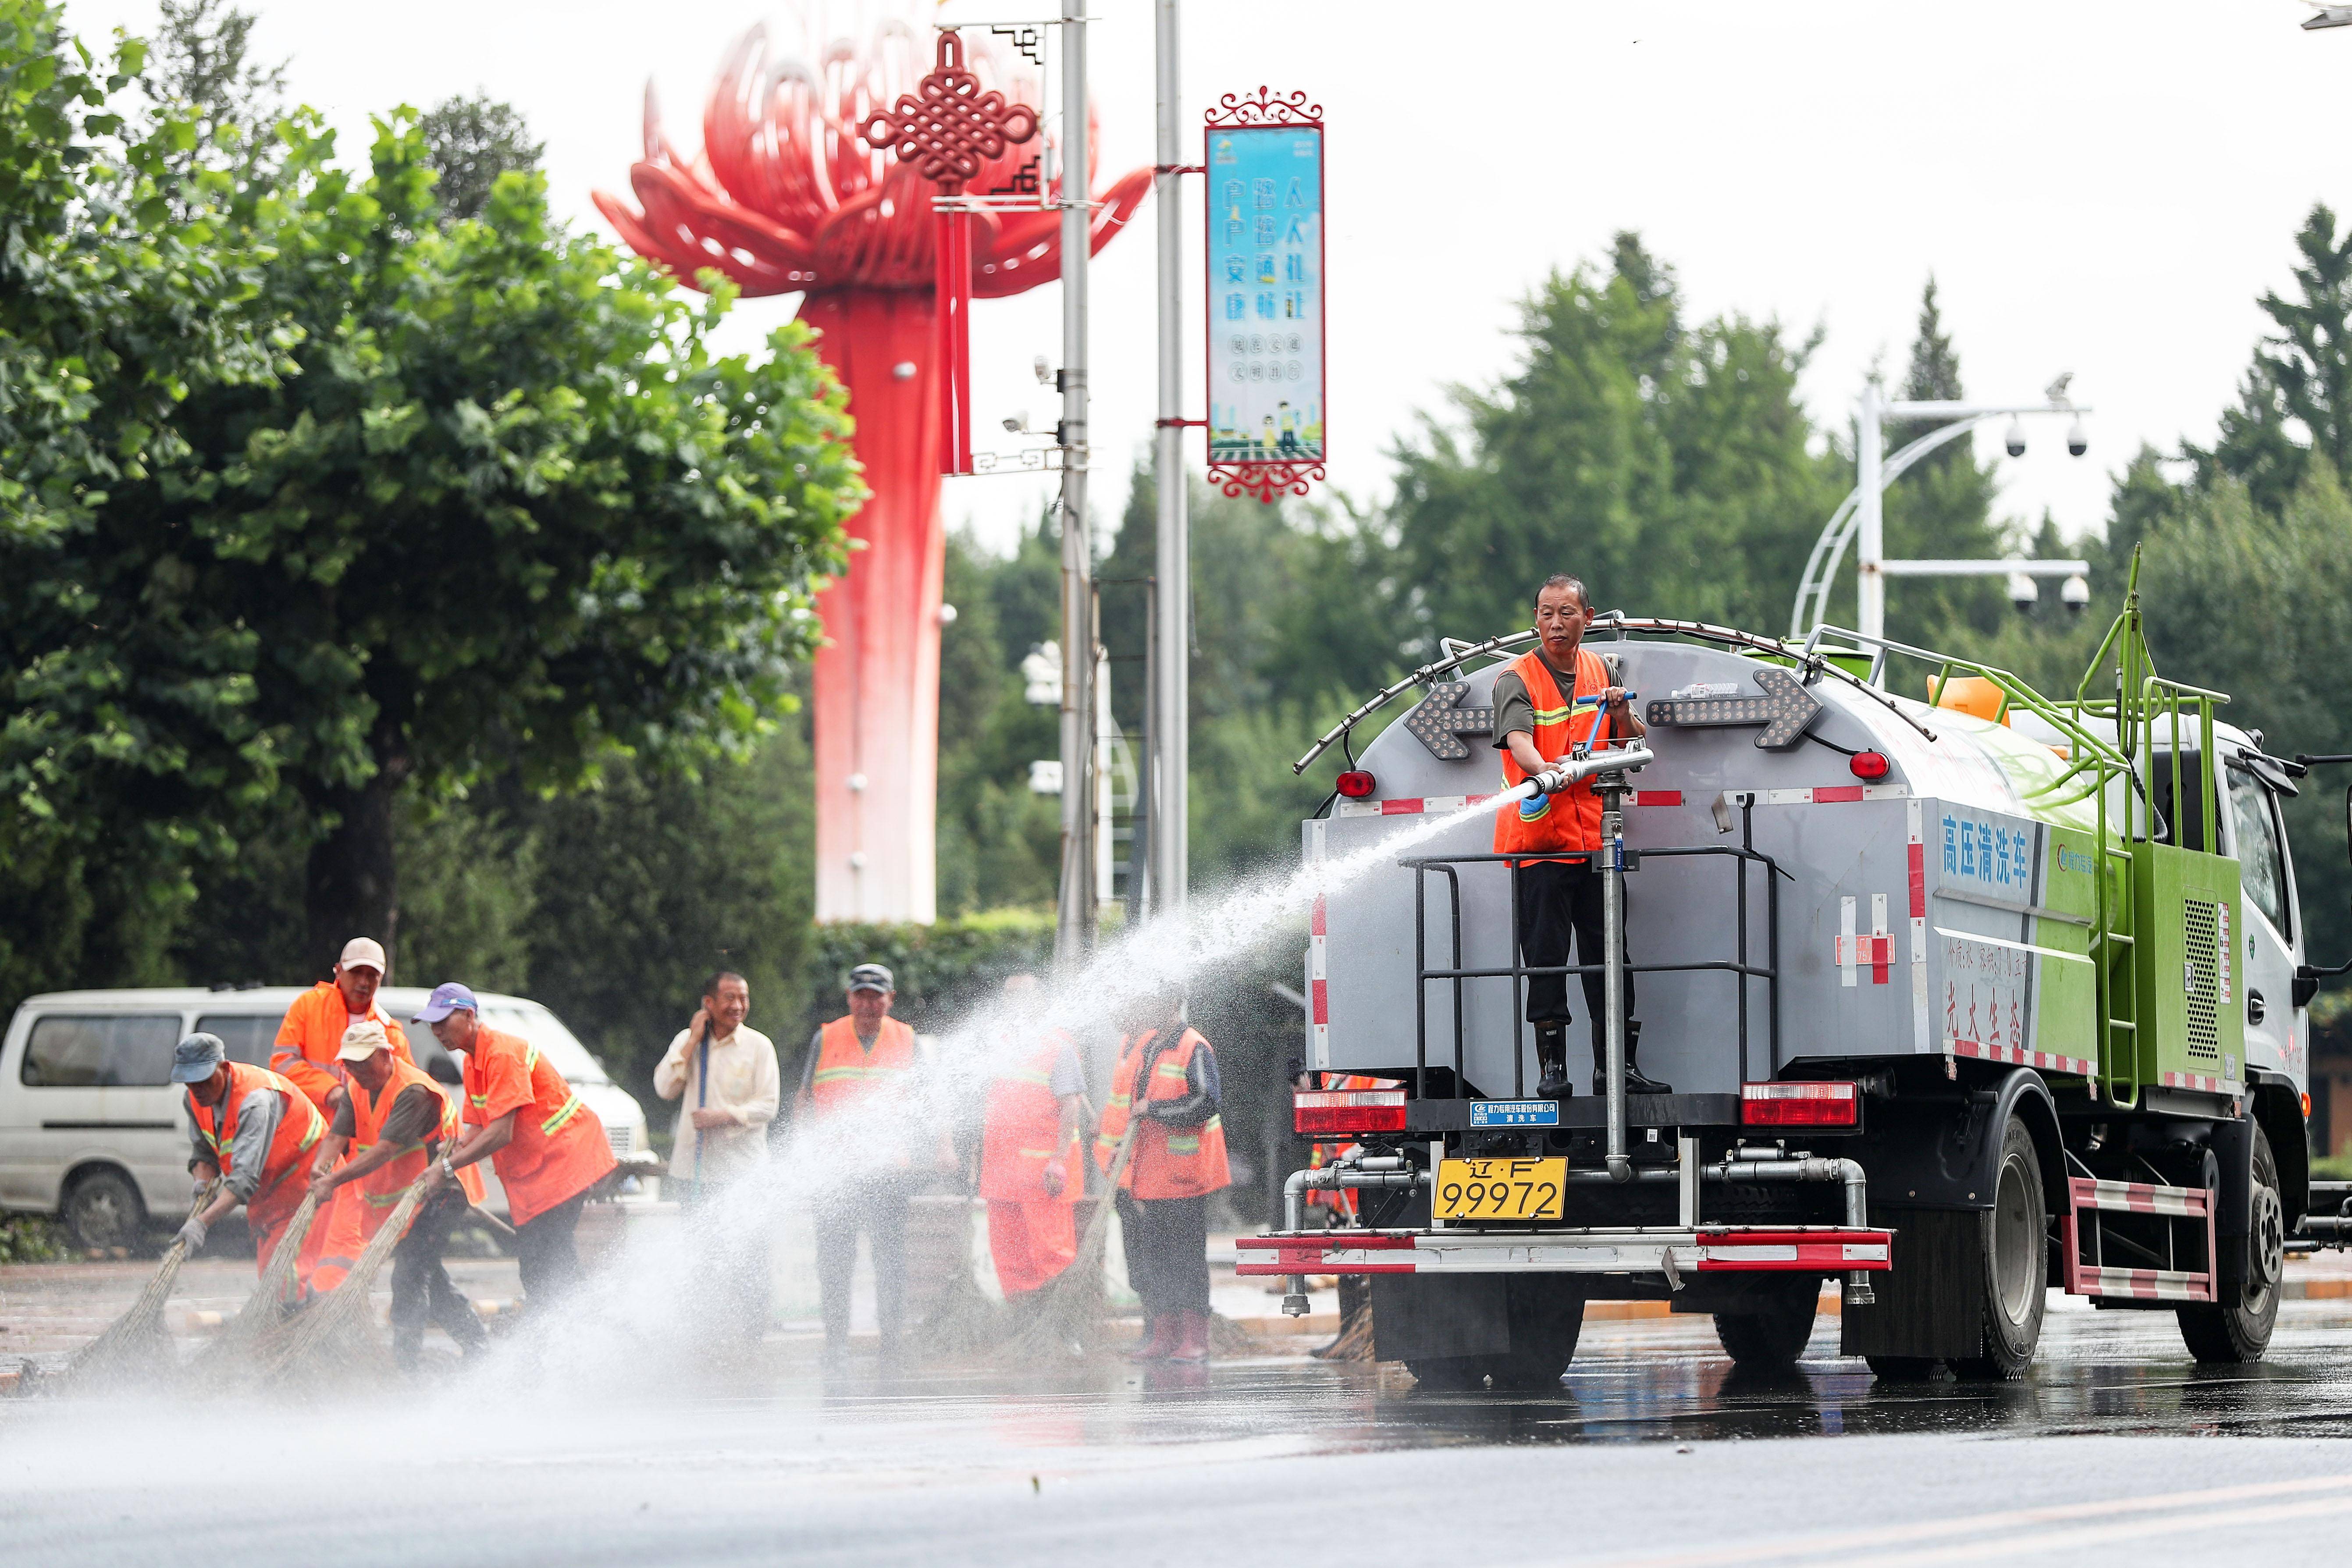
(2078, 440)
(1017, 423)
(2075, 595)
(2015, 440)
(2022, 590)
(1045, 371)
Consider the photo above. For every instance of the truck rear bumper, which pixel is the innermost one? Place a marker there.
(1822, 1249)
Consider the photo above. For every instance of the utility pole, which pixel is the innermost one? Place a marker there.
(1172, 671)
(1074, 925)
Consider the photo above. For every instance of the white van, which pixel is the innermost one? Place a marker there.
(92, 1130)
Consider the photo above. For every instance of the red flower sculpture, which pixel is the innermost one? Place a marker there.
(785, 198)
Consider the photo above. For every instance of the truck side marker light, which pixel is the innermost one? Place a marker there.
(1869, 767)
(1800, 1104)
(1356, 783)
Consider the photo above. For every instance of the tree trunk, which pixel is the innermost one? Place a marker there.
(350, 889)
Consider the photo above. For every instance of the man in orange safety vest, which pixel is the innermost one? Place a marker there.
(313, 1031)
(1029, 1168)
(1166, 1084)
(259, 1135)
(395, 1123)
(1547, 701)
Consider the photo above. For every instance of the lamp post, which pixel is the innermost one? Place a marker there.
(1860, 522)
(1074, 926)
(1170, 699)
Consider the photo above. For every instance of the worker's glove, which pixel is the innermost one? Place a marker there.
(191, 1236)
(1056, 1176)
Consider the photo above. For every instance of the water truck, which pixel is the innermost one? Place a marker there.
(1958, 999)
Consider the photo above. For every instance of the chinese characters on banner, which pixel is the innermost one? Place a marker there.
(1264, 235)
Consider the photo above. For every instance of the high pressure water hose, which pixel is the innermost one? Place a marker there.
(1363, 1171)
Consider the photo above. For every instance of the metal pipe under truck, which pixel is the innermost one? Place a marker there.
(1960, 1000)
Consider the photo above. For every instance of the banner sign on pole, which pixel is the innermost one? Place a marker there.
(1263, 179)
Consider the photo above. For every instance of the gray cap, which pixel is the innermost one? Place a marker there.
(193, 1058)
(871, 977)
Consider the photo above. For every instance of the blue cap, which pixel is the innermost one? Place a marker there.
(195, 1058)
(447, 998)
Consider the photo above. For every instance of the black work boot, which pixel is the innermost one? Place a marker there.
(1636, 1082)
(1551, 1062)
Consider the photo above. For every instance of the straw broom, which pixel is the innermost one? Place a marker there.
(132, 1342)
(1074, 1302)
(345, 1308)
(264, 1309)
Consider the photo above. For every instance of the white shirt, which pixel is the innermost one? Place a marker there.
(745, 1082)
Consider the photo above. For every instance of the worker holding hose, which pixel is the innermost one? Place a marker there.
(1548, 701)
(1166, 1085)
(393, 1122)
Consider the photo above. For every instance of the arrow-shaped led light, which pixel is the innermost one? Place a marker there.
(1782, 706)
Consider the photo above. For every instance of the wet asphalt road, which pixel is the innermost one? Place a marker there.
(1653, 1452)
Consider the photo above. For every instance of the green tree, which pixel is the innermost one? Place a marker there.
(470, 141)
(2296, 399)
(509, 513)
(201, 71)
(1669, 465)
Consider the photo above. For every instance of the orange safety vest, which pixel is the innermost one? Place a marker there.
(286, 1170)
(378, 1192)
(313, 1032)
(847, 1072)
(1168, 1162)
(1570, 819)
(1339, 1199)
(1017, 1138)
(560, 1148)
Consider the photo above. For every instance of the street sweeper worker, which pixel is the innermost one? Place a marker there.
(1547, 701)
(1166, 1082)
(254, 1131)
(313, 1031)
(1029, 1159)
(870, 1151)
(548, 1148)
(393, 1122)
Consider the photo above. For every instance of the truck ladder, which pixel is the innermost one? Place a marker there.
(2086, 1241)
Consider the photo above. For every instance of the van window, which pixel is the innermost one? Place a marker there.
(248, 1035)
(104, 1050)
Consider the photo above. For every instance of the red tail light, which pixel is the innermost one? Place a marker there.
(1356, 783)
(1868, 764)
(1800, 1104)
(1316, 1112)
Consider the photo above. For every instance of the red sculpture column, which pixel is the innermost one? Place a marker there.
(876, 686)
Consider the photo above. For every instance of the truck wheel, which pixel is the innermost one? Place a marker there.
(2016, 1263)
(1772, 1339)
(103, 1211)
(2239, 1330)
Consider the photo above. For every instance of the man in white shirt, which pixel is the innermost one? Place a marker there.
(726, 1075)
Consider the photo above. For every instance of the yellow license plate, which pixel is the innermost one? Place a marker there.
(1500, 1189)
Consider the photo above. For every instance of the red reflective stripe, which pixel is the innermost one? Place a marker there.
(1882, 954)
(1831, 795)
(1314, 921)
(1371, 1241)
(1263, 1271)
(1918, 878)
(1322, 1002)
(1407, 806)
(1657, 797)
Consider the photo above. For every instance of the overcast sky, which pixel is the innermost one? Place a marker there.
(2104, 189)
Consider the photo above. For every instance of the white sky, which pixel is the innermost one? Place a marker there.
(2099, 188)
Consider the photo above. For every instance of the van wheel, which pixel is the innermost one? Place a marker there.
(1772, 1338)
(2239, 1330)
(2016, 1263)
(103, 1211)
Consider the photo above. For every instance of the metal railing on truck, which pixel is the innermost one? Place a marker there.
(1518, 972)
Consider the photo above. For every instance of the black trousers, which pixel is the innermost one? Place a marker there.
(879, 1209)
(421, 1288)
(1167, 1246)
(1558, 900)
(545, 1253)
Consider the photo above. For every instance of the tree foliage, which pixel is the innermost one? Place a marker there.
(201, 69)
(470, 141)
(2295, 402)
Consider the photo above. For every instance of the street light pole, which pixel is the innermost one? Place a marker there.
(1074, 924)
(1172, 673)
